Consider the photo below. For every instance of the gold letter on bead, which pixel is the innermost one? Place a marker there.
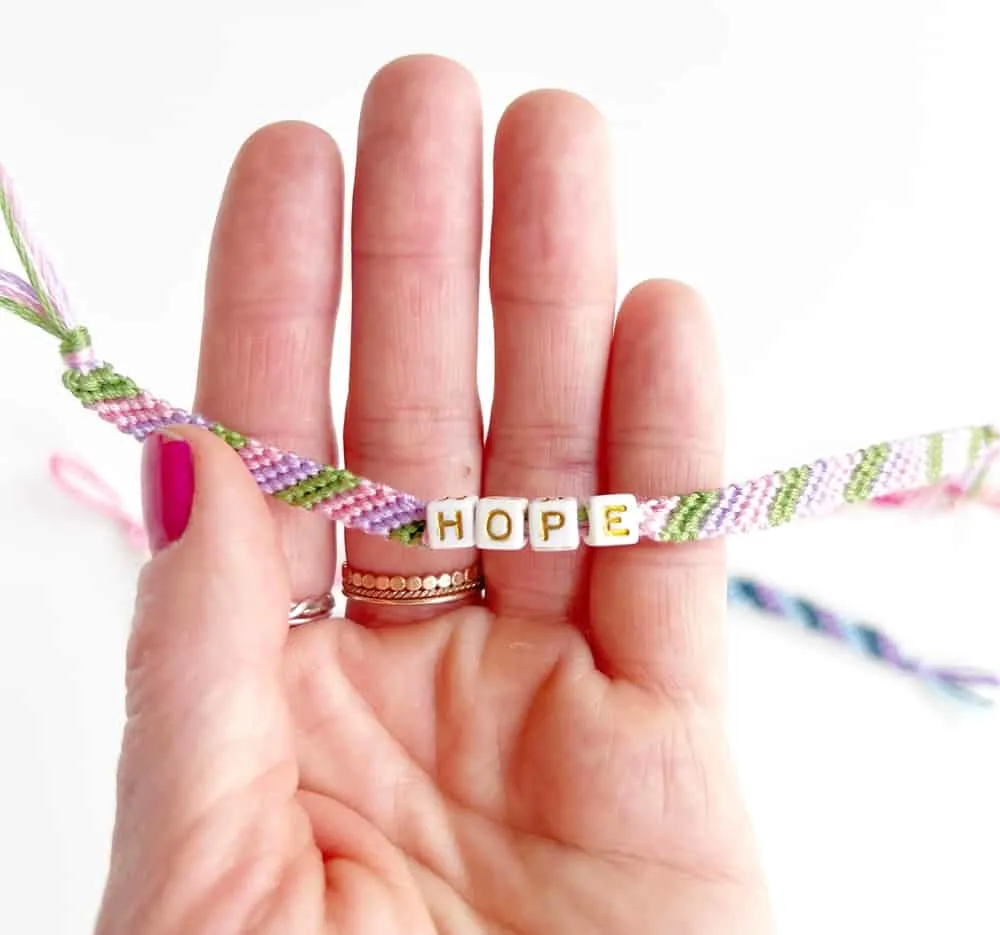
(451, 523)
(614, 520)
(500, 523)
(553, 524)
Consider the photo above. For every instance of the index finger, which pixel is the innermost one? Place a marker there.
(273, 287)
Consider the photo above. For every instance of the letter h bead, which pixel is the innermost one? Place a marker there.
(451, 523)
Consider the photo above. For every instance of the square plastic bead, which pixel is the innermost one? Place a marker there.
(613, 520)
(554, 525)
(451, 523)
(500, 523)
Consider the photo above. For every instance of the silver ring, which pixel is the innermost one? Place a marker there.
(311, 608)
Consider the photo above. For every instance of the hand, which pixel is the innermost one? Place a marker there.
(551, 762)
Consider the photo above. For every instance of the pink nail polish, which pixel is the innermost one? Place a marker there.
(167, 488)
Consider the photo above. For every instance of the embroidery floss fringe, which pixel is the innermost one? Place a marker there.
(85, 486)
(878, 471)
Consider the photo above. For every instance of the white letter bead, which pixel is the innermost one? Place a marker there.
(613, 520)
(554, 525)
(500, 523)
(451, 523)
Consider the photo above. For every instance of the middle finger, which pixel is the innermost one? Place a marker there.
(413, 418)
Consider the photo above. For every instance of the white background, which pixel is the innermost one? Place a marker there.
(827, 175)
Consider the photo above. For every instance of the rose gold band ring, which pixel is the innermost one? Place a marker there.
(376, 587)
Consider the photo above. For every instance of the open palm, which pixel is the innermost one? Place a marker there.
(548, 760)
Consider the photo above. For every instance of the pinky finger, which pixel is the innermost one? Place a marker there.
(658, 610)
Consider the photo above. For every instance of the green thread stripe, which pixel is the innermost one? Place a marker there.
(935, 457)
(50, 321)
(307, 493)
(32, 317)
(75, 341)
(409, 534)
(231, 438)
(980, 437)
(790, 487)
(98, 385)
(686, 519)
(862, 481)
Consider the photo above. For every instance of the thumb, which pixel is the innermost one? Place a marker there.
(206, 715)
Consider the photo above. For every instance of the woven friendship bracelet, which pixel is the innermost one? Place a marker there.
(883, 470)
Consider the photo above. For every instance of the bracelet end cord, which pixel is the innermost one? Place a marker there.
(961, 457)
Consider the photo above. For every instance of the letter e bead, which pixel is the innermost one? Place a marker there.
(613, 520)
(500, 523)
(451, 523)
(554, 524)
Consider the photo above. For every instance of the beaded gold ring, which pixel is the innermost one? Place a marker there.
(381, 588)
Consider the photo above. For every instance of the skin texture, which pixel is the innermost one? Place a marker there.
(553, 761)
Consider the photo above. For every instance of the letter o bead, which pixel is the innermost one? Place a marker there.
(451, 523)
(500, 523)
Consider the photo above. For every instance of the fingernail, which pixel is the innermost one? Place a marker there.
(167, 488)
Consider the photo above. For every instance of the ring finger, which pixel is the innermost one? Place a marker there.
(552, 280)
(413, 418)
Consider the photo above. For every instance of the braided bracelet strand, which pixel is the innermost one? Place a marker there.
(883, 470)
(961, 683)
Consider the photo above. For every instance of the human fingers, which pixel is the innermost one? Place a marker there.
(658, 610)
(413, 418)
(552, 283)
(208, 775)
(273, 288)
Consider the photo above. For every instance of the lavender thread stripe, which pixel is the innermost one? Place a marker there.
(17, 290)
(904, 469)
(282, 472)
(714, 522)
(817, 478)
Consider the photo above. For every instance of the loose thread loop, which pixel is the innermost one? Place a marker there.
(85, 486)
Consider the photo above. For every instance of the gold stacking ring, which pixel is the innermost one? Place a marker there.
(376, 587)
